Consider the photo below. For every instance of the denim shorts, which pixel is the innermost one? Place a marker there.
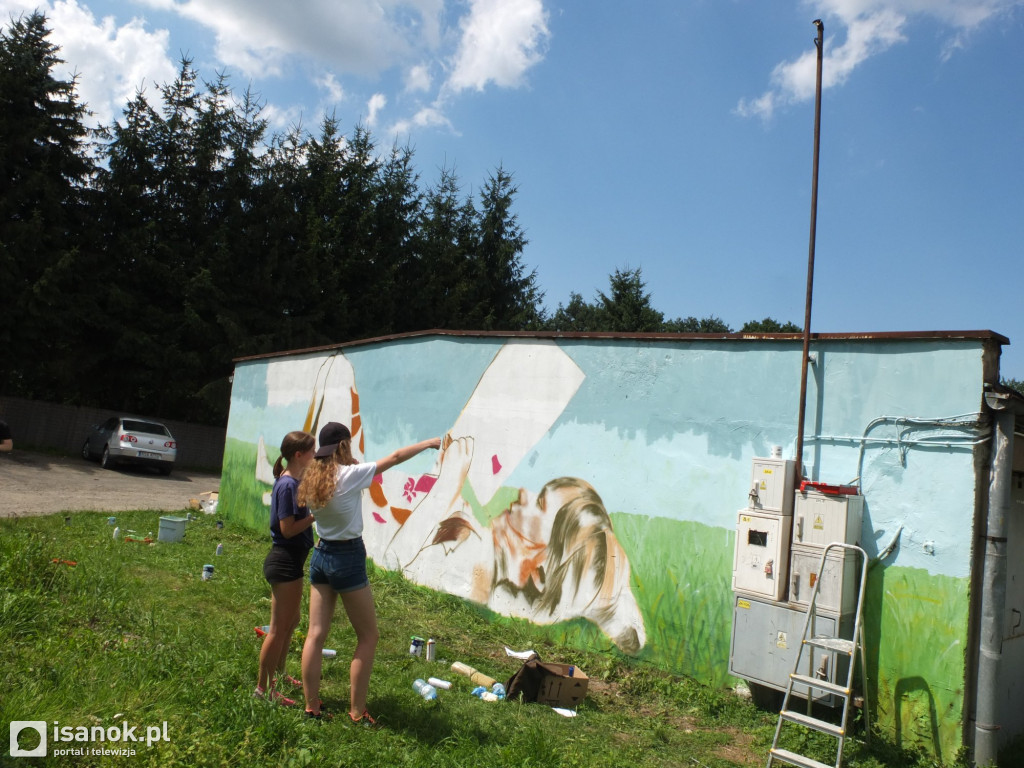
(340, 564)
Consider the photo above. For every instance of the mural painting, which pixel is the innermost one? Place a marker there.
(549, 556)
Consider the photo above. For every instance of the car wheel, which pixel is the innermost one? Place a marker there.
(105, 461)
(86, 454)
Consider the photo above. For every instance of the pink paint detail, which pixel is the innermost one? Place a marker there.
(378, 518)
(378, 479)
(425, 483)
(495, 464)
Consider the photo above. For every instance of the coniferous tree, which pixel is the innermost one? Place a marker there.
(628, 308)
(44, 172)
(504, 295)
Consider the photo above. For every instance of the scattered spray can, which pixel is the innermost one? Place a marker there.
(431, 650)
(207, 572)
(220, 549)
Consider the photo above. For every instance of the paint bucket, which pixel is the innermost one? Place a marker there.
(171, 529)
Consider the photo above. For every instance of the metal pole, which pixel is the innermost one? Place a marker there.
(820, 44)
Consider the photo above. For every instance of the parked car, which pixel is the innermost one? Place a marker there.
(131, 440)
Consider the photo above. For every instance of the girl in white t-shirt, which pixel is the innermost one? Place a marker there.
(333, 488)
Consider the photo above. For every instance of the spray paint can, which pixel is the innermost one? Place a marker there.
(220, 549)
(430, 649)
(207, 572)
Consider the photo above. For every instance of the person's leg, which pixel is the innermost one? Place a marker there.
(271, 650)
(322, 600)
(363, 615)
(289, 607)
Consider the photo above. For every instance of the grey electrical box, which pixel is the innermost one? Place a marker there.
(766, 638)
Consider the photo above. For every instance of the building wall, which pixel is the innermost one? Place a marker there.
(657, 437)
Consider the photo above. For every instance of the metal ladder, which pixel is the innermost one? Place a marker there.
(810, 643)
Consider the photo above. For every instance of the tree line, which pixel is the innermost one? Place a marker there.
(138, 259)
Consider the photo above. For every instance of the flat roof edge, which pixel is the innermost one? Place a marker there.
(981, 335)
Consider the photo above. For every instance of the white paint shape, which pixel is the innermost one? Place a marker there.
(517, 400)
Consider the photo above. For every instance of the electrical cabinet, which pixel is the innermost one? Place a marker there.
(821, 519)
(766, 639)
(761, 564)
(838, 590)
(772, 485)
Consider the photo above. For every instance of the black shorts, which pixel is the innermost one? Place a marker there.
(284, 564)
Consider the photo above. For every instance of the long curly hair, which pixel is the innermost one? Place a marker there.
(321, 477)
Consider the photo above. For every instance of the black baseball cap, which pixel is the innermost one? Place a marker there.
(331, 434)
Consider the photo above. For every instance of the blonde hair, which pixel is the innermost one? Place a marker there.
(321, 477)
(293, 443)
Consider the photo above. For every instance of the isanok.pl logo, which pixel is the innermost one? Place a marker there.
(84, 740)
(17, 726)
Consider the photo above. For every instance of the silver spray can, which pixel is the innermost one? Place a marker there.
(430, 649)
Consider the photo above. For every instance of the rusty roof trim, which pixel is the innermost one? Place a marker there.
(593, 335)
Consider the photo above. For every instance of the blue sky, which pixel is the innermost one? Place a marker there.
(674, 135)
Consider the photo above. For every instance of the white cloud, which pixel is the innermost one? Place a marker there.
(357, 36)
(376, 103)
(871, 27)
(338, 46)
(112, 62)
(418, 78)
(330, 84)
(501, 39)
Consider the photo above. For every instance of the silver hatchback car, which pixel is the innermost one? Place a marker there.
(130, 440)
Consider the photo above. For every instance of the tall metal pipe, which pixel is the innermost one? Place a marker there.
(820, 44)
(993, 593)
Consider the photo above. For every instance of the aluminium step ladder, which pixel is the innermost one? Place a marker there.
(813, 643)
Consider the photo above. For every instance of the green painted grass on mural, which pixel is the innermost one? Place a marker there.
(682, 581)
(918, 622)
(241, 494)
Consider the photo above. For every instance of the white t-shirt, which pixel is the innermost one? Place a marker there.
(342, 518)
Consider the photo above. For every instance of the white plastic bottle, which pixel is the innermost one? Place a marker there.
(424, 689)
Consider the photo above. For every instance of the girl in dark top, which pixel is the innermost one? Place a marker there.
(292, 535)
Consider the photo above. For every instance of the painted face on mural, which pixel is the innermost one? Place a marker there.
(522, 532)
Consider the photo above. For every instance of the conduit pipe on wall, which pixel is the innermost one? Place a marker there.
(993, 592)
(964, 421)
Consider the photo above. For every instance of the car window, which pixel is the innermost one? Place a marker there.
(149, 427)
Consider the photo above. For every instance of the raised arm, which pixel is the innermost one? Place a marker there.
(406, 453)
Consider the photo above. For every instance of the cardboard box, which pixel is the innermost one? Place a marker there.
(559, 689)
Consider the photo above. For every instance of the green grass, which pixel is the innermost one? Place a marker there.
(132, 633)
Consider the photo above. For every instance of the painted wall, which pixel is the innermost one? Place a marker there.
(649, 445)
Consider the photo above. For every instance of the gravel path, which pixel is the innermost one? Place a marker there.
(41, 484)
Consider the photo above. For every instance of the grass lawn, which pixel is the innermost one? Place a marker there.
(130, 636)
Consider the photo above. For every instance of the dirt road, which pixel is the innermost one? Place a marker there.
(40, 484)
